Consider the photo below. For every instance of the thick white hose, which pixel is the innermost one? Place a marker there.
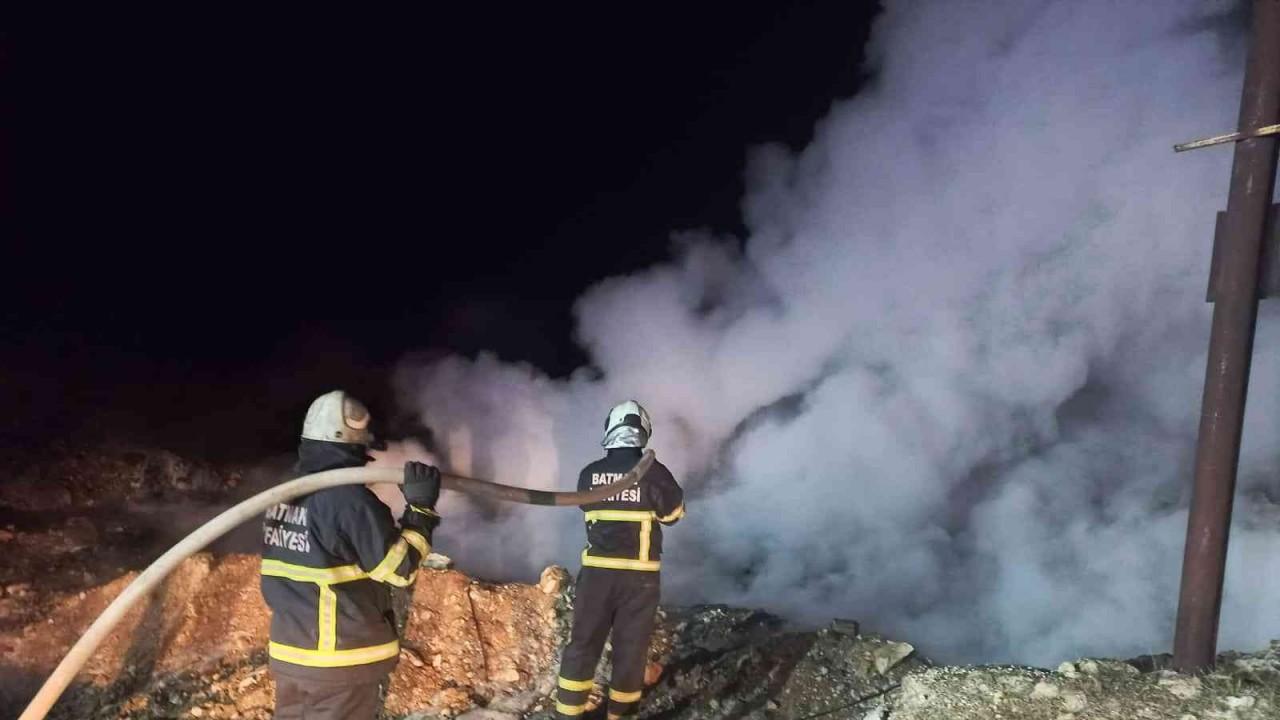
(252, 509)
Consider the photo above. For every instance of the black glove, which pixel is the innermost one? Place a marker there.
(421, 485)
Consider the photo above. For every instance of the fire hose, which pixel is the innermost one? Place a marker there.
(253, 508)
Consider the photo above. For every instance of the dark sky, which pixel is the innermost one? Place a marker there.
(211, 220)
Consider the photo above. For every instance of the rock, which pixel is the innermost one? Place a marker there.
(7, 536)
(518, 703)
(845, 627)
(487, 714)
(547, 685)
(1074, 702)
(507, 675)
(258, 698)
(1241, 703)
(196, 712)
(652, 673)
(436, 561)
(1045, 691)
(1151, 663)
(412, 656)
(1183, 687)
(888, 656)
(554, 580)
(596, 698)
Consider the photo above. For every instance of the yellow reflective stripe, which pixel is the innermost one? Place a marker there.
(619, 563)
(570, 709)
(399, 580)
(302, 573)
(625, 697)
(386, 570)
(334, 658)
(328, 618)
(675, 515)
(418, 541)
(646, 529)
(644, 517)
(620, 515)
(575, 685)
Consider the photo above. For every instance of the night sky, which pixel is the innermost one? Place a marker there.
(210, 220)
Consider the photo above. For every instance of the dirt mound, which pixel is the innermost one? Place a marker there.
(73, 519)
(83, 478)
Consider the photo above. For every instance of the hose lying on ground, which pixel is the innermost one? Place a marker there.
(253, 508)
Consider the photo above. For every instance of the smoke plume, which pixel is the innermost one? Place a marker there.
(949, 382)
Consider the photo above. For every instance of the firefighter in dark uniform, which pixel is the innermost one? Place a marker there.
(618, 585)
(329, 560)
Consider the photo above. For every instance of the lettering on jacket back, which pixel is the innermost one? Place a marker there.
(631, 494)
(279, 529)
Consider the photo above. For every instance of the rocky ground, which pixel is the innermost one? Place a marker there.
(482, 650)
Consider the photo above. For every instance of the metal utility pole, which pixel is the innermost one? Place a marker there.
(1235, 293)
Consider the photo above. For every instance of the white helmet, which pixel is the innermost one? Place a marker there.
(628, 425)
(337, 417)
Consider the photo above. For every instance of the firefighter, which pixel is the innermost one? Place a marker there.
(618, 585)
(329, 561)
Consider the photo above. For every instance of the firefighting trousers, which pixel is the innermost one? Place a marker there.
(311, 700)
(621, 601)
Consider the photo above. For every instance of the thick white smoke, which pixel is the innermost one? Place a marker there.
(949, 384)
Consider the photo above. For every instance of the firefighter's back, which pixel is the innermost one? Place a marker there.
(624, 532)
(329, 620)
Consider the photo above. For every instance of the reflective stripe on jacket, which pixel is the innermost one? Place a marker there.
(328, 560)
(624, 532)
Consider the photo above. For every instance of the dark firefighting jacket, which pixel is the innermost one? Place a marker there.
(624, 532)
(328, 562)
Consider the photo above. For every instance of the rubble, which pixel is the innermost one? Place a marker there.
(720, 662)
(490, 651)
(1243, 687)
(554, 580)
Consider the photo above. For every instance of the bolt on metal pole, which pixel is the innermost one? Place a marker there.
(1226, 382)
